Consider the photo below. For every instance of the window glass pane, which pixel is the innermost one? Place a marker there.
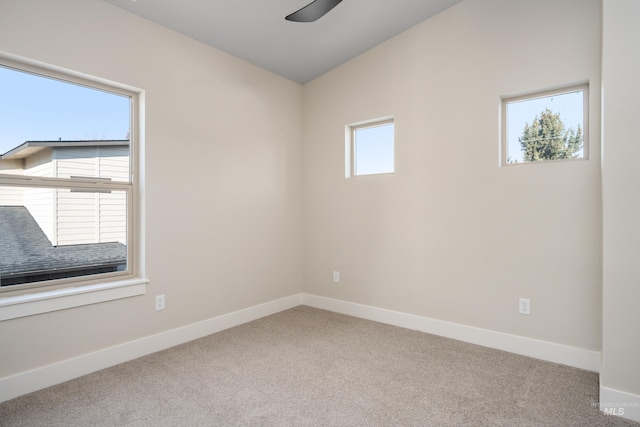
(54, 233)
(58, 129)
(545, 128)
(374, 149)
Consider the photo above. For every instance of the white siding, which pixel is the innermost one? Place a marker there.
(40, 201)
(112, 225)
(77, 218)
(66, 217)
(89, 217)
(40, 164)
(11, 196)
(79, 161)
(113, 162)
(12, 167)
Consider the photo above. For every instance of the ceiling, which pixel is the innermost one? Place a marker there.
(256, 31)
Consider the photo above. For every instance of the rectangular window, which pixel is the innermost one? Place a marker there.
(370, 148)
(67, 179)
(545, 126)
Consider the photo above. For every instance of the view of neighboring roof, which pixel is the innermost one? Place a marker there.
(26, 250)
(27, 148)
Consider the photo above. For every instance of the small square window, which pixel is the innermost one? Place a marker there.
(545, 126)
(370, 148)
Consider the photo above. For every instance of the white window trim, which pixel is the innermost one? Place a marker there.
(59, 299)
(350, 146)
(28, 301)
(504, 155)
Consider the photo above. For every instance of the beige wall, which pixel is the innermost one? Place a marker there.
(223, 176)
(451, 235)
(621, 174)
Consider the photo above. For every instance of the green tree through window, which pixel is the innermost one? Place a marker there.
(547, 139)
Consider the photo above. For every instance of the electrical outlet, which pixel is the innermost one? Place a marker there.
(159, 302)
(524, 306)
(336, 277)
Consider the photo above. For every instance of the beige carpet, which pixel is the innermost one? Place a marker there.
(309, 367)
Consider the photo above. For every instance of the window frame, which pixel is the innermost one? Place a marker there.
(351, 149)
(504, 125)
(112, 285)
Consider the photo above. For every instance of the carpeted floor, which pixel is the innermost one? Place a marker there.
(309, 367)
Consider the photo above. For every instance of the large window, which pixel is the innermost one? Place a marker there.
(67, 179)
(370, 148)
(545, 126)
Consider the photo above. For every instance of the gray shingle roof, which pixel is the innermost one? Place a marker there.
(25, 249)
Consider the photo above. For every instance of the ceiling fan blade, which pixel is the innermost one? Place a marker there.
(313, 11)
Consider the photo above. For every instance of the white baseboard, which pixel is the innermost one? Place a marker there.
(620, 403)
(544, 350)
(46, 376)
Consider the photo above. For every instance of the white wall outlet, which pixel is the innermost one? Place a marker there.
(336, 277)
(524, 307)
(159, 302)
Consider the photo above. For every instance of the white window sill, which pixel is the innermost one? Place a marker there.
(60, 299)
